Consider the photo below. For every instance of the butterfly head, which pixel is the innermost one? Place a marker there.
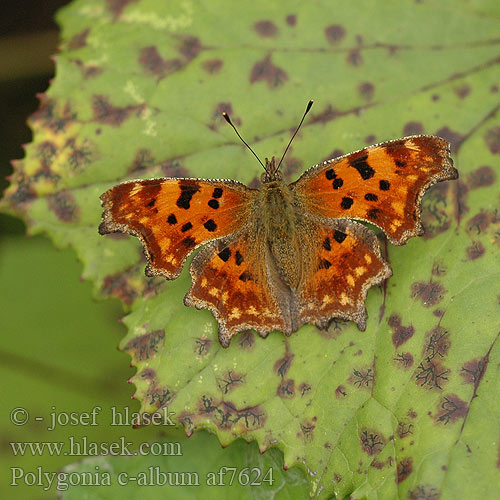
(272, 172)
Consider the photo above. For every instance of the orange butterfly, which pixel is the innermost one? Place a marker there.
(283, 255)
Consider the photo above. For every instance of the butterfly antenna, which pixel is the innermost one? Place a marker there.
(226, 117)
(309, 105)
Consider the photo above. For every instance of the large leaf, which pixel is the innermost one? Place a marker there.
(397, 411)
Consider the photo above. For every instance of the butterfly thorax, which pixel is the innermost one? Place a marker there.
(279, 223)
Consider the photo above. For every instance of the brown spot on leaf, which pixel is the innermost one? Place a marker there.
(372, 441)
(437, 343)
(229, 381)
(147, 346)
(227, 416)
(190, 47)
(142, 161)
(306, 431)
(362, 378)
(291, 20)
(159, 396)
(88, 71)
(282, 366)
(334, 154)
(454, 138)
(247, 341)
(118, 285)
(79, 40)
(366, 90)
(173, 168)
(202, 346)
(404, 468)
(401, 334)
(153, 63)
(46, 151)
(482, 177)
(404, 359)
(462, 91)
(329, 113)
(436, 210)
(405, 429)
(492, 139)
(431, 374)
(286, 389)
(64, 206)
(354, 58)
(450, 409)
(340, 392)
(423, 492)
(475, 250)
(439, 268)
(80, 155)
(430, 293)
(266, 28)
(266, 71)
(413, 128)
(212, 65)
(116, 6)
(147, 374)
(334, 33)
(304, 388)
(104, 112)
(472, 371)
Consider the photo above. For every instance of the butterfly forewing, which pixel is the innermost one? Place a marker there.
(172, 217)
(380, 184)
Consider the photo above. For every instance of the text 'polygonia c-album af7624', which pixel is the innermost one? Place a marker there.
(283, 255)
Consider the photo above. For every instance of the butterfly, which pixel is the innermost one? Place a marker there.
(284, 255)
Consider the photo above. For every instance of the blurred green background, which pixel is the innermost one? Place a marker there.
(58, 344)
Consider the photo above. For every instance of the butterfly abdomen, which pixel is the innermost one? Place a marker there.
(280, 229)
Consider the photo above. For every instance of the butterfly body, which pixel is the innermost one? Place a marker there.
(284, 255)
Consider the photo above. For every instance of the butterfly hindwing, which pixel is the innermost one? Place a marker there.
(229, 278)
(347, 263)
(381, 184)
(172, 217)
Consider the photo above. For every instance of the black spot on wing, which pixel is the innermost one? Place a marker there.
(238, 257)
(330, 174)
(337, 183)
(217, 193)
(245, 276)
(346, 203)
(213, 204)
(224, 254)
(339, 236)
(373, 213)
(362, 167)
(326, 244)
(188, 190)
(151, 203)
(371, 197)
(210, 225)
(188, 242)
(384, 185)
(324, 264)
(186, 227)
(172, 219)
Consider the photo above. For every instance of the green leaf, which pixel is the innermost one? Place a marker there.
(400, 410)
